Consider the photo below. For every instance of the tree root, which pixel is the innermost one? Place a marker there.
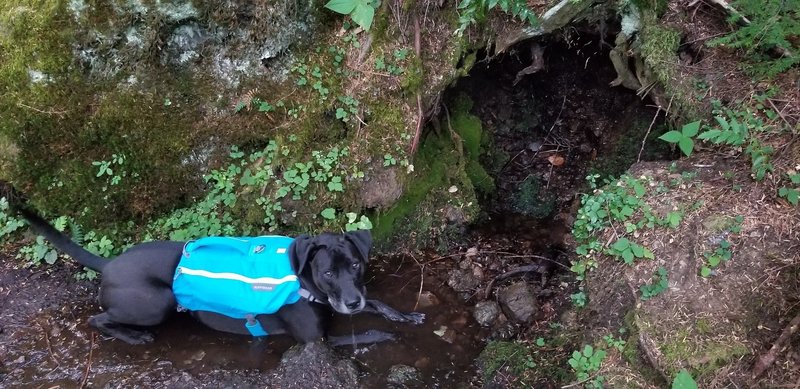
(766, 360)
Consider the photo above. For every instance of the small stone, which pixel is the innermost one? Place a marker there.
(428, 299)
(471, 252)
(402, 375)
(422, 363)
(535, 146)
(486, 312)
(462, 280)
(20, 360)
(198, 356)
(452, 189)
(447, 334)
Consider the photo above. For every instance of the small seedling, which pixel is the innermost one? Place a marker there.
(660, 285)
(586, 362)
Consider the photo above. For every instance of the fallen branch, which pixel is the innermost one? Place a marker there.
(88, 363)
(658, 110)
(421, 113)
(49, 346)
(766, 360)
(511, 273)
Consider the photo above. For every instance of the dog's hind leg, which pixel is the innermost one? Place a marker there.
(120, 331)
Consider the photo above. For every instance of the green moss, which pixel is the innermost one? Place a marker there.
(531, 200)
(434, 161)
(660, 48)
(500, 354)
(470, 129)
(659, 6)
(703, 356)
(413, 76)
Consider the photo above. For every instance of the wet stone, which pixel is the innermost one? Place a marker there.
(428, 299)
(518, 302)
(462, 280)
(403, 376)
(315, 365)
(486, 312)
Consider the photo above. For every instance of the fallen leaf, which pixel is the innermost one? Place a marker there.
(556, 160)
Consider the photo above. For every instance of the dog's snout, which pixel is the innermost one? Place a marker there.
(354, 304)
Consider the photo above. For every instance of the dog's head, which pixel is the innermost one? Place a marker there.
(332, 266)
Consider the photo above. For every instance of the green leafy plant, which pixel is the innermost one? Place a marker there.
(104, 168)
(476, 11)
(714, 258)
(771, 26)
(388, 160)
(792, 194)
(354, 222)
(328, 213)
(615, 343)
(683, 137)
(578, 299)
(37, 252)
(361, 11)
(587, 362)
(617, 202)
(684, 380)
(349, 108)
(8, 223)
(629, 251)
(660, 285)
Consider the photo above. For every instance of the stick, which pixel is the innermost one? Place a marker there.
(88, 363)
(421, 114)
(766, 360)
(49, 346)
(780, 113)
(509, 274)
(639, 158)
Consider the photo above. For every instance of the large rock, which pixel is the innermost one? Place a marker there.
(314, 365)
(518, 301)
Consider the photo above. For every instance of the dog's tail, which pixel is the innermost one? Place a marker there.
(62, 242)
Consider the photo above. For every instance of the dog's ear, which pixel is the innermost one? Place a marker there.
(362, 239)
(300, 252)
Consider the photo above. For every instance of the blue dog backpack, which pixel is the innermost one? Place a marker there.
(237, 277)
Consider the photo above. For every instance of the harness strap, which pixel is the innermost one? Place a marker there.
(254, 326)
(304, 293)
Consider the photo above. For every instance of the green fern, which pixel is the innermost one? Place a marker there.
(475, 11)
(772, 23)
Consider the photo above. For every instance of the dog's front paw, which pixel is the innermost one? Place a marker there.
(415, 317)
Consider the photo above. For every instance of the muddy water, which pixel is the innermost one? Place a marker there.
(54, 347)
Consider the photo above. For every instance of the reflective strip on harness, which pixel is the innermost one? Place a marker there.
(237, 277)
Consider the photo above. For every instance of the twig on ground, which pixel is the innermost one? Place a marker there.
(49, 346)
(766, 360)
(421, 113)
(780, 113)
(421, 280)
(364, 50)
(658, 110)
(509, 274)
(48, 112)
(88, 363)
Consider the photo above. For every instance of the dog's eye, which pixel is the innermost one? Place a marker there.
(328, 274)
(356, 265)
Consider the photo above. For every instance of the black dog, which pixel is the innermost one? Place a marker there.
(136, 287)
